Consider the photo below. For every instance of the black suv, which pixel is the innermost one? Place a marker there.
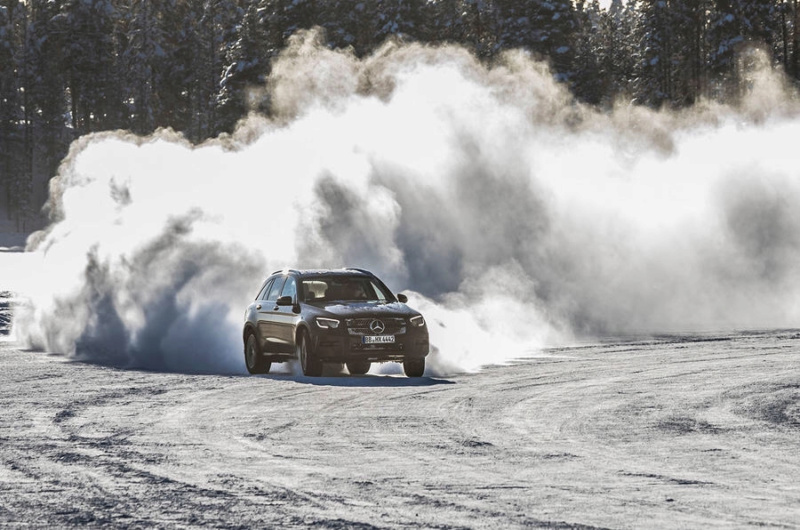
(332, 316)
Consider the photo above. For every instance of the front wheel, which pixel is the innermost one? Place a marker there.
(414, 367)
(312, 367)
(256, 364)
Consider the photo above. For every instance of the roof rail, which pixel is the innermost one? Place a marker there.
(365, 271)
(284, 270)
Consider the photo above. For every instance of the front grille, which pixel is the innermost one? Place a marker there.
(360, 326)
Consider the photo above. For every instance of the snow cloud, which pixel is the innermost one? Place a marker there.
(514, 217)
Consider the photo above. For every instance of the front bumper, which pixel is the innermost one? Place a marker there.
(339, 347)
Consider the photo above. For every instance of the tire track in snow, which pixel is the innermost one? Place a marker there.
(664, 433)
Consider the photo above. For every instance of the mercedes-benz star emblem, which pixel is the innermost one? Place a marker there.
(377, 327)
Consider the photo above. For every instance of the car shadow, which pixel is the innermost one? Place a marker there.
(368, 380)
(332, 376)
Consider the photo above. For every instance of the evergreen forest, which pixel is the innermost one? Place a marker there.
(72, 67)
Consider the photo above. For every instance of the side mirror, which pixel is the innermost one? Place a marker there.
(402, 298)
(284, 301)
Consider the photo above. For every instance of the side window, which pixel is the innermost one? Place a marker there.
(290, 288)
(263, 292)
(275, 289)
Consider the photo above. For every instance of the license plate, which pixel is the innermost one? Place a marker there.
(378, 339)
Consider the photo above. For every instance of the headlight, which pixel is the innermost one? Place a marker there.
(327, 323)
(417, 321)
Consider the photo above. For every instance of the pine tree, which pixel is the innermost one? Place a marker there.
(211, 26)
(93, 78)
(733, 26)
(795, 32)
(10, 105)
(591, 56)
(246, 59)
(405, 19)
(471, 23)
(545, 27)
(691, 50)
(623, 53)
(294, 15)
(654, 72)
(19, 131)
(350, 24)
(45, 91)
(142, 54)
(178, 22)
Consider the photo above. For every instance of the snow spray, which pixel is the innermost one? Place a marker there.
(513, 217)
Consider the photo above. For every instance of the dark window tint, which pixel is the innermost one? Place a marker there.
(345, 288)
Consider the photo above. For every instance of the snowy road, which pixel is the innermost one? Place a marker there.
(677, 432)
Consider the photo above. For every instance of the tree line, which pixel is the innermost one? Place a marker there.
(70, 67)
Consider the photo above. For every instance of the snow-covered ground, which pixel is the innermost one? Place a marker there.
(15, 269)
(12, 241)
(680, 431)
(9, 237)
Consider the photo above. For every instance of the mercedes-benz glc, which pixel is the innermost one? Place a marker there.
(332, 316)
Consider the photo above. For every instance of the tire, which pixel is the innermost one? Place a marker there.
(358, 367)
(414, 367)
(311, 366)
(255, 362)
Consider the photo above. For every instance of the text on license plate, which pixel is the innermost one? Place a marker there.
(378, 339)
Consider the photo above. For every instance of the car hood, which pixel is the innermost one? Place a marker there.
(354, 309)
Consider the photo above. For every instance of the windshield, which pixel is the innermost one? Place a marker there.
(345, 289)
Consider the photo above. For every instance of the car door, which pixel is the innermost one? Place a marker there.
(267, 328)
(285, 317)
(252, 309)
